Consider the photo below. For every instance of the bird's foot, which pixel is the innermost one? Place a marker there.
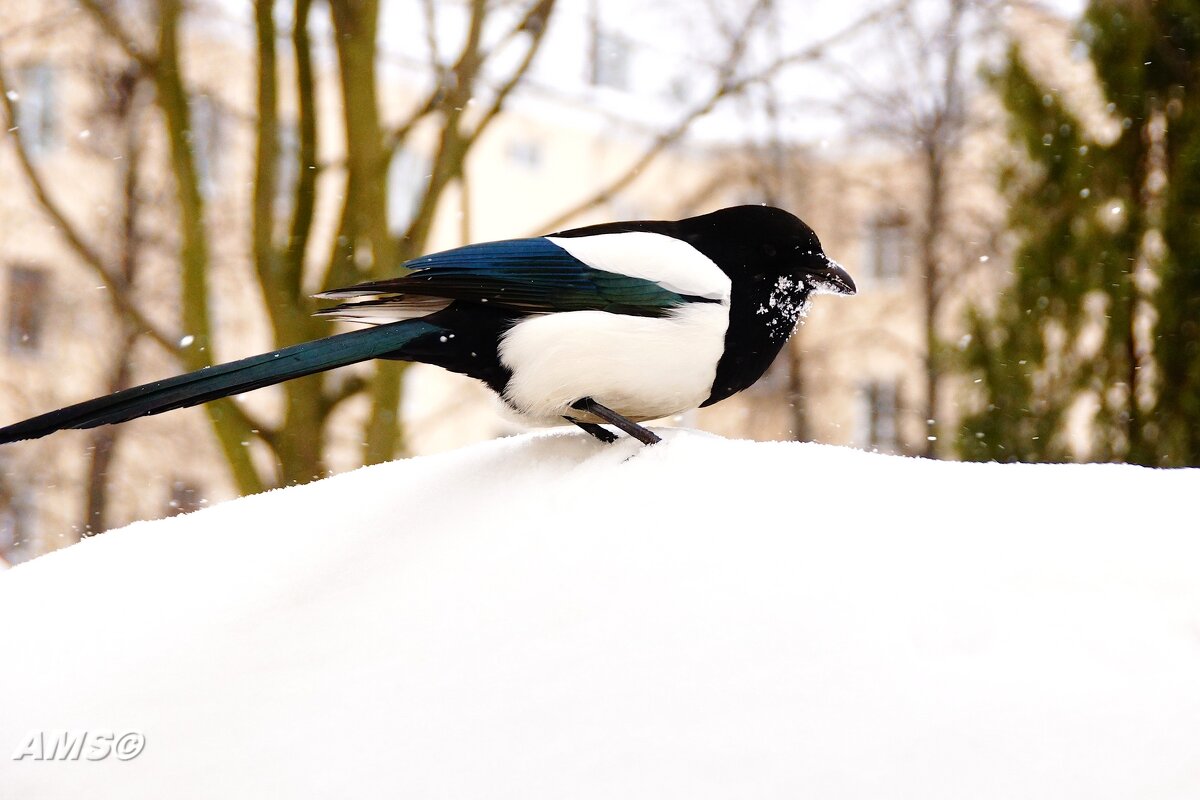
(603, 434)
(613, 418)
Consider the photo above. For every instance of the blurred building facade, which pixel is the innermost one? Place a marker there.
(852, 376)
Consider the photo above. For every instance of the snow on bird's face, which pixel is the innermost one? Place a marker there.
(785, 306)
(806, 271)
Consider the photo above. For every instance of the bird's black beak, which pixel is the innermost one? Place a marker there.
(834, 279)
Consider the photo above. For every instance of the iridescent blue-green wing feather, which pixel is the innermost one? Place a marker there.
(524, 275)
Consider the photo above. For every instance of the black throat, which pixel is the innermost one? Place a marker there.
(762, 316)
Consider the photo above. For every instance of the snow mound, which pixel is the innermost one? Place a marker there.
(547, 617)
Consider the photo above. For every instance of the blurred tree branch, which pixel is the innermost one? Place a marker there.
(728, 84)
(106, 18)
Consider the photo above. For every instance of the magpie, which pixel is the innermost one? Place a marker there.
(615, 323)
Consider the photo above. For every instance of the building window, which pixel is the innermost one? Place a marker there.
(408, 178)
(887, 244)
(206, 136)
(610, 57)
(186, 497)
(526, 153)
(37, 108)
(877, 423)
(26, 309)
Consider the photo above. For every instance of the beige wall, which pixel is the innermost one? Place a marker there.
(528, 167)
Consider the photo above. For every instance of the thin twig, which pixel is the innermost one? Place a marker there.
(108, 23)
(534, 22)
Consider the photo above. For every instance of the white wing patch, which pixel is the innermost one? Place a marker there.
(672, 264)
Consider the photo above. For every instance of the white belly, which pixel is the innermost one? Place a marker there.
(641, 367)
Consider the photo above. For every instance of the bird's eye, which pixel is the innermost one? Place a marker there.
(768, 250)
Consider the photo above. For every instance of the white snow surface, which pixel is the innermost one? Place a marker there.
(547, 617)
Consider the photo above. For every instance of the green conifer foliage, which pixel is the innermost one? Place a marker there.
(1103, 309)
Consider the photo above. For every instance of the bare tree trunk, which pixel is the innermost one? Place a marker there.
(103, 440)
(228, 421)
(355, 24)
(935, 199)
(797, 402)
(941, 141)
(280, 268)
(102, 446)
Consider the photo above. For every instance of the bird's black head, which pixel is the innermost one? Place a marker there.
(775, 263)
(759, 245)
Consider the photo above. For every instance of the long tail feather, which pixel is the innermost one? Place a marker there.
(224, 380)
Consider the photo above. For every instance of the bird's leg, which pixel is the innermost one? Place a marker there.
(606, 436)
(613, 418)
